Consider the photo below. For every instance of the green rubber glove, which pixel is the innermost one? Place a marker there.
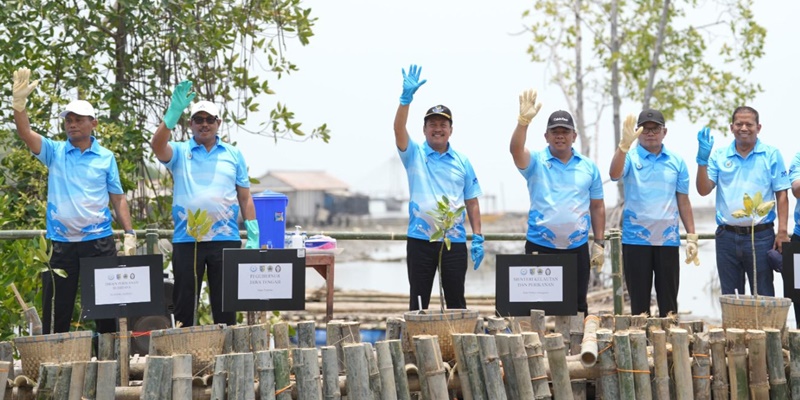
(252, 234)
(181, 98)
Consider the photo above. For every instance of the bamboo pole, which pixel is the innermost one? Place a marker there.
(660, 363)
(608, 382)
(778, 389)
(578, 389)
(76, 380)
(538, 322)
(638, 321)
(607, 321)
(557, 358)
(386, 371)
(496, 325)
(575, 334)
(242, 374)
(357, 373)
(719, 367)
(280, 332)
(641, 376)
(283, 385)
(48, 374)
(124, 346)
(330, 374)
(589, 345)
(182, 377)
(5, 366)
(682, 365)
(266, 374)
(519, 360)
(107, 378)
(259, 337)
(622, 355)
(757, 363)
(333, 337)
(394, 328)
(374, 372)
(90, 381)
(399, 368)
(240, 338)
(306, 335)
(468, 363)
(306, 372)
(737, 364)
(63, 379)
(794, 363)
(622, 323)
(219, 382)
(504, 352)
(105, 346)
(492, 376)
(7, 354)
(562, 326)
(538, 371)
(701, 367)
(157, 381)
(430, 361)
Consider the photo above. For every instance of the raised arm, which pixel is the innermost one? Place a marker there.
(411, 83)
(705, 143)
(182, 96)
(528, 108)
(20, 91)
(629, 135)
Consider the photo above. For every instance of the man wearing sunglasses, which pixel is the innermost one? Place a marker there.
(656, 183)
(82, 177)
(208, 175)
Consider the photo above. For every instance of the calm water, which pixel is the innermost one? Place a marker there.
(698, 295)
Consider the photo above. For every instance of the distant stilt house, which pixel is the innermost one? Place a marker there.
(316, 198)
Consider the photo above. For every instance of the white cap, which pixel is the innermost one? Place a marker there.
(79, 107)
(206, 106)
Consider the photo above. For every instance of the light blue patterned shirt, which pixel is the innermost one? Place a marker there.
(794, 174)
(560, 196)
(207, 180)
(762, 171)
(430, 176)
(78, 185)
(651, 182)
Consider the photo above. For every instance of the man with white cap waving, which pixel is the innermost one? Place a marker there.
(83, 176)
(208, 175)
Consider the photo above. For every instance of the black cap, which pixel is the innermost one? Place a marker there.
(562, 119)
(650, 116)
(440, 110)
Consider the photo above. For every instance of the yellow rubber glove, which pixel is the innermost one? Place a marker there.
(598, 257)
(528, 107)
(129, 244)
(22, 88)
(628, 134)
(691, 249)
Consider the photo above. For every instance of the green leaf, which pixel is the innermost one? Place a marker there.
(447, 243)
(437, 236)
(60, 272)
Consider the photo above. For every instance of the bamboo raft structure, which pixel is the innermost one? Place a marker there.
(613, 357)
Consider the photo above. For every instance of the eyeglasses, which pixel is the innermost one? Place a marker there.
(655, 129)
(208, 120)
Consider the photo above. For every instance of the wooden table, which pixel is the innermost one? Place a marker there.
(323, 264)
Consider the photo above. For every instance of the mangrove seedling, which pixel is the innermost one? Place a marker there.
(445, 219)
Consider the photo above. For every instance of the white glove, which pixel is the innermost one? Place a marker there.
(528, 107)
(691, 249)
(129, 244)
(598, 257)
(21, 89)
(628, 134)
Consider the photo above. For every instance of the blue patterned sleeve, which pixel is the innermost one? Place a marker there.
(780, 178)
(596, 190)
(683, 178)
(242, 179)
(112, 177)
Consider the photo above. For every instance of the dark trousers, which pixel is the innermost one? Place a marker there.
(67, 256)
(583, 267)
(209, 260)
(642, 264)
(788, 288)
(422, 258)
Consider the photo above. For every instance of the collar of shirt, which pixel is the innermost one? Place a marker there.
(644, 153)
(429, 151)
(575, 155)
(731, 152)
(94, 147)
(193, 145)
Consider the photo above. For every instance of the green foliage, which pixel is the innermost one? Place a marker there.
(445, 219)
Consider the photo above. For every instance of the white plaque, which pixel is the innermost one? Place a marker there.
(796, 271)
(535, 284)
(265, 281)
(124, 285)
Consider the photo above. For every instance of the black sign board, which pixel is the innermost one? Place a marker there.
(122, 286)
(791, 286)
(263, 279)
(544, 282)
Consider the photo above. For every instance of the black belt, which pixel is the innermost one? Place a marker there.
(746, 230)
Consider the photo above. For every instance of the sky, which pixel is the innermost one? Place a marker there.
(473, 55)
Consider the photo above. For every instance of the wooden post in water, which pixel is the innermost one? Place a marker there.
(63, 378)
(622, 355)
(182, 377)
(777, 373)
(266, 375)
(589, 345)
(306, 372)
(533, 348)
(737, 364)
(557, 358)
(157, 382)
(357, 373)
(641, 376)
(701, 367)
(504, 352)
(681, 363)
(330, 374)
(90, 381)
(719, 366)
(386, 370)
(794, 363)
(283, 385)
(107, 379)
(608, 382)
(280, 332)
(538, 322)
(757, 360)
(519, 360)
(468, 363)
(660, 364)
(399, 367)
(492, 376)
(429, 358)
(307, 335)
